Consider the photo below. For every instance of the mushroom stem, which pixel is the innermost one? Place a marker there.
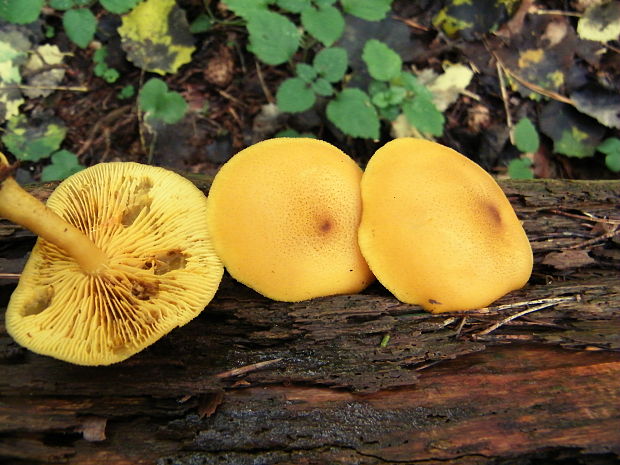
(20, 207)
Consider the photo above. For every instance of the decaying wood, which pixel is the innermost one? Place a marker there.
(352, 379)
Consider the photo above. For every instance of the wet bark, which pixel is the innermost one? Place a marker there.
(352, 379)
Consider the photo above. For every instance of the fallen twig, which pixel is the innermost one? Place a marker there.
(523, 303)
(603, 237)
(502, 88)
(460, 326)
(548, 303)
(10, 275)
(27, 87)
(247, 369)
(586, 216)
(261, 80)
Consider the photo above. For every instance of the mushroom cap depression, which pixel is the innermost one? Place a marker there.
(437, 230)
(161, 272)
(284, 214)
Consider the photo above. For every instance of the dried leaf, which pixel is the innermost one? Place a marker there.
(472, 18)
(600, 104)
(446, 87)
(155, 35)
(478, 117)
(543, 56)
(14, 47)
(568, 259)
(573, 133)
(402, 128)
(600, 22)
(44, 80)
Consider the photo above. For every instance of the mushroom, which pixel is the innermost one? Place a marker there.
(437, 230)
(123, 258)
(283, 215)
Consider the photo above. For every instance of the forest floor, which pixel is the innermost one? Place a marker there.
(231, 94)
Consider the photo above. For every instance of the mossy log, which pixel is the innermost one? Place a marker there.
(352, 379)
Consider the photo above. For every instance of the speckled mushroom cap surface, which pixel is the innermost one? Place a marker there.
(437, 230)
(162, 268)
(284, 214)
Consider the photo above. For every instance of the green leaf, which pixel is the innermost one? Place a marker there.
(306, 72)
(159, 103)
(331, 63)
(20, 11)
(32, 142)
(64, 164)
(246, 8)
(392, 96)
(326, 24)
(127, 92)
(422, 113)
(572, 142)
(520, 168)
(322, 87)
(100, 55)
(80, 25)
(611, 148)
(101, 68)
(376, 87)
(612, 161)
(202, 23)
(525, 136)
(156, 37)
(383, 62)
(294, 6)
(294, 96)
(61, 4)
(609, 145)
(413, 84)
(380, 99)
(352, 113)
(110, 75)
(370, 10)
(49, 31)
(273, 37)
(118, 6)
(396, 95)
(391, 112)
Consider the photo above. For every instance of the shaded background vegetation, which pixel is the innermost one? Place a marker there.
(529, 61)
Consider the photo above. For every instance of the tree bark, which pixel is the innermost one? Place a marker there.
(363, 379)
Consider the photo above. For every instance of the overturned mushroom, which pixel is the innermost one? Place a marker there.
(284, 214)
(437, 230)
(123, 258)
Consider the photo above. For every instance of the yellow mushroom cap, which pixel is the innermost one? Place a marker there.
(437, 230)
(284, 214)
(162, 270)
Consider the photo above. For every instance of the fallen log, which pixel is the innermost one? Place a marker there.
(352, 379)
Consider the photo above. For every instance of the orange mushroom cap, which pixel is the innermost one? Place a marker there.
(437, 230)
(283, 215)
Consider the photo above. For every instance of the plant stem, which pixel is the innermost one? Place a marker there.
(20, 207)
